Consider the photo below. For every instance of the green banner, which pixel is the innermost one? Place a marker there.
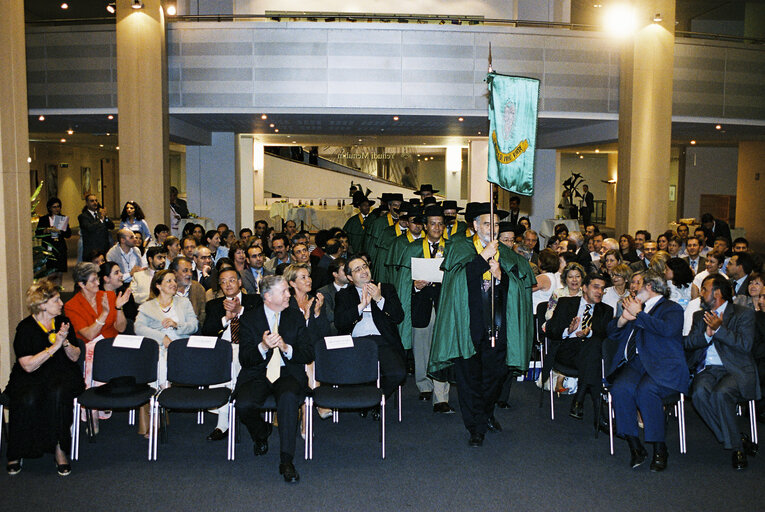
(512, 131)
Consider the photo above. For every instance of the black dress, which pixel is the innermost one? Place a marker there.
(56, 262)
(41, 401)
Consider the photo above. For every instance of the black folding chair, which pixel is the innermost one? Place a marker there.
(350, 379)
(110, 362)
(191, 371)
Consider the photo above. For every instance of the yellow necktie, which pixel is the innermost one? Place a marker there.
(274, 367)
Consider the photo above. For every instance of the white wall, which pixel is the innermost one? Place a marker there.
(211, 178)
(593, 168)
(708, 170)
(542, 204)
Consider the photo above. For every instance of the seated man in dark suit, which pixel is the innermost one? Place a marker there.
(650, 248)
(222, 320)
(648, 365)
(721, 341)
(319, 276)
(374, 311)
(339, 281)
(740, 265)
(581, 323)
(714, 228)
(275, 345)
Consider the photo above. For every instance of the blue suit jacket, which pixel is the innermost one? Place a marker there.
(659, 339)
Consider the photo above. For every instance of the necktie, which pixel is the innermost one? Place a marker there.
(631, 349)
(274, 367)
(693, 265)
(433, 249)
(235, 331)
(587, 316)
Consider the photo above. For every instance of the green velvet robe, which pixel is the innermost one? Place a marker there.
(461, 229)
(380, 254)
(451, 338)
(355, 232)
(372, 233)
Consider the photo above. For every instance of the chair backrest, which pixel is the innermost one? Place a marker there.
(110, 361)
(191, 366)
(356, 365)
(540, 320)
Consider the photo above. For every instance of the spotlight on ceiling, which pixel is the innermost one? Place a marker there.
(111, 8)
(137, 4)
(171, 11)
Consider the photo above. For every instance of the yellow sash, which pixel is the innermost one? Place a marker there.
(479, 248)
(398, 229)
(410, 236)
(450, 233)
(361, 219)
(426, 248)
(51, 333)
(390, 219)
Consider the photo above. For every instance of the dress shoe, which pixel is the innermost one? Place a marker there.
(739, 460)
(659, 461)
(289, 473)
(577, 410)
(503, 405)
(637, 452)
(324, 413)
(260, 447)
(443, 408)
(13, 468)
(493, 425)
(217, 435)
(748, 446)
(426, 396)
(476, 440)
(64, 469)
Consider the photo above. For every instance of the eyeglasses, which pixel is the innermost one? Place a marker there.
(361, 267)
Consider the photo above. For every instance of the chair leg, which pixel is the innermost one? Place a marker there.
(91, 425)
(75, 452)
(552, 391)
(382, 424)
(399, 404)
(306, 423)
(681, 422)
(231, 428)
(152, 419)
(753, 420)
(611, 421)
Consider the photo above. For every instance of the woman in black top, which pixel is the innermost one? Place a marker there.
(44, 381)
(48, 231)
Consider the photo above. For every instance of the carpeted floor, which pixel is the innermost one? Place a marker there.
(535, 464)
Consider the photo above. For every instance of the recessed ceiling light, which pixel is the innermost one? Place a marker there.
(395, 118)
(110, 117)
(693, 143)
(41, 118)
(577, 152)
(581, 156)
(111, 8)
(107, 134)
(69, 131)
(117, 148)
(360, 140)
(100, 145)
(460, 119)
(264, 117)
(171, 10)
(63, 140)
(65, 6)
(479, 133)
(271, 125)
(597, 151)
(276, 130)
(718, 127)
(29, 159)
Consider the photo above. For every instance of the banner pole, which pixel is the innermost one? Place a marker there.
(491, 228)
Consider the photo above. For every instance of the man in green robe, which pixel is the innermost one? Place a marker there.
(374, 231)
(386, 240)
(482, 349)
(453, 227)
(354, 226)
(393, 266)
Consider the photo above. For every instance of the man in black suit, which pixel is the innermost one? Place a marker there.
(739, 267)
(580, 249)
(274, 347)
(339, 281)
(319, 276)
(588, 204)
(374, 311)
(714, 228)
(202, 266)
(222, 316)
(720, 342)
(581, 325)
(94, 227)
(177, 204)
(650, 248)
(693, 255)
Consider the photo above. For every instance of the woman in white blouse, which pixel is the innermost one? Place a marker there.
(620, 276)
(165, 317)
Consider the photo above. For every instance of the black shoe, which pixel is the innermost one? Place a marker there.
(443, 408)
(217, 435)
(494, 425)
(289, 473)
(476, 440)
(260, 447)
(637, 452)
(659, 461)
(13, 468)
(375, 413)
(64, 469)
(577, 410)
(426, 396)
(503, 405)
(748, 446)
(739, 460)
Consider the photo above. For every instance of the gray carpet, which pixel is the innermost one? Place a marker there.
(535, 463)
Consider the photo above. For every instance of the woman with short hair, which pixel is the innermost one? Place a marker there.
(54, 229)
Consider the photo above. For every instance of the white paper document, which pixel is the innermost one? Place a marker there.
(125, 341)
(202, 342)
(427, 269)
(334, 342)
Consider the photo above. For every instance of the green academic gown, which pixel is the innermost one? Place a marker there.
(355, 230)
(373, 231)
(380, 255)
(451, 338)
(401, 278)
(461, 229)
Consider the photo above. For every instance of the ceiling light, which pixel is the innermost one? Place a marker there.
(29, 159)
(597, 151)
(395, 118)
(171, 10)
(63, 140)
(100, 145)
(693, 143)
(137, 4)
(479, 133)
(577, 152)
(657, 18)
(359, 140)
(264, 117)
(581, 156)
(271, 125)
(107, 134)
(69, 131)
(597, 6)
(110, 117)
(41, 118)
(65, 6)
(111, 8)
(460, 119)
(276, 130)
(718, 127)
(620, 20)
(117, 148)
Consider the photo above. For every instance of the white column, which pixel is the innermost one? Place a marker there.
(249, 180)
(453, 172)
(478, 156)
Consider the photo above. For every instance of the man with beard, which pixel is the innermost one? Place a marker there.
(481, 347)
(720, 342)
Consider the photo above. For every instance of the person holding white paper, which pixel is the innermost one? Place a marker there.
(54, 229)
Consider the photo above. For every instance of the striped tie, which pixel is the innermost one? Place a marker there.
(587, 316)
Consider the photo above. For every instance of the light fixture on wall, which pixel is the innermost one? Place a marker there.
(171, 10)
(137, 4)
(657, 18)
(258, 158)
(453, 159)
(111, 8)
